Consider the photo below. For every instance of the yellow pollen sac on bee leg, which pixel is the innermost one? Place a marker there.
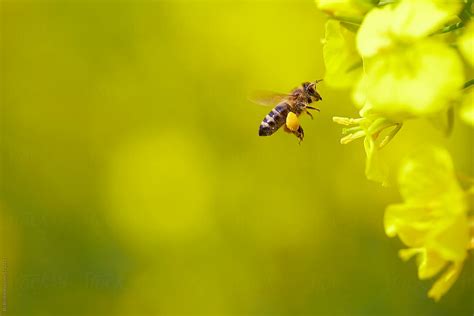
(292, 122)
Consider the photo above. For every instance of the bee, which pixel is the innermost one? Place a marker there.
(288, 108)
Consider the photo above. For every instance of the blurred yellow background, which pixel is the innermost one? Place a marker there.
(133, 180)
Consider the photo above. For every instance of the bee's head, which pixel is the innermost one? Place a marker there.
(310, 90)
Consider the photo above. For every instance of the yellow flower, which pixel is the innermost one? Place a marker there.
(467, 108)
(417, 80)
(403, 23)
(407, 74)
(340, 56)
(432, 221)
(345, 8)
(370, 128)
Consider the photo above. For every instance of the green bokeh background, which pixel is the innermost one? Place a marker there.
(133, 181)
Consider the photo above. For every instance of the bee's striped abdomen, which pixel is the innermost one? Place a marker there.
(274, 120)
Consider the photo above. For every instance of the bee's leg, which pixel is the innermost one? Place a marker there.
(299, 133)
(312, 108)
(309, 113)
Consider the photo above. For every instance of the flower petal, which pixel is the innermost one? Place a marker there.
(418, 80)
(428, 175)
(404, 23)
(345, 8)
(408, 222)
(444, 283)
(467, 108)
(340, 55)
(406, 254)
(466, 43)
(375, 169)
(429, 264)
(414, 19)
(450, 238)
(374, 32)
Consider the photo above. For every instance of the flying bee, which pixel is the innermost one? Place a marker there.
(288, 108)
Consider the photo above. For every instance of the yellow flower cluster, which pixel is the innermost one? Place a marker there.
(406, 59)
(433, 220)
(394, 55)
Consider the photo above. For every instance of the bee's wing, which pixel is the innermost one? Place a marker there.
(267, 98)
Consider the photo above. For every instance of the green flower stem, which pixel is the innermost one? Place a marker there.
(466, 13)
(450, 28)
